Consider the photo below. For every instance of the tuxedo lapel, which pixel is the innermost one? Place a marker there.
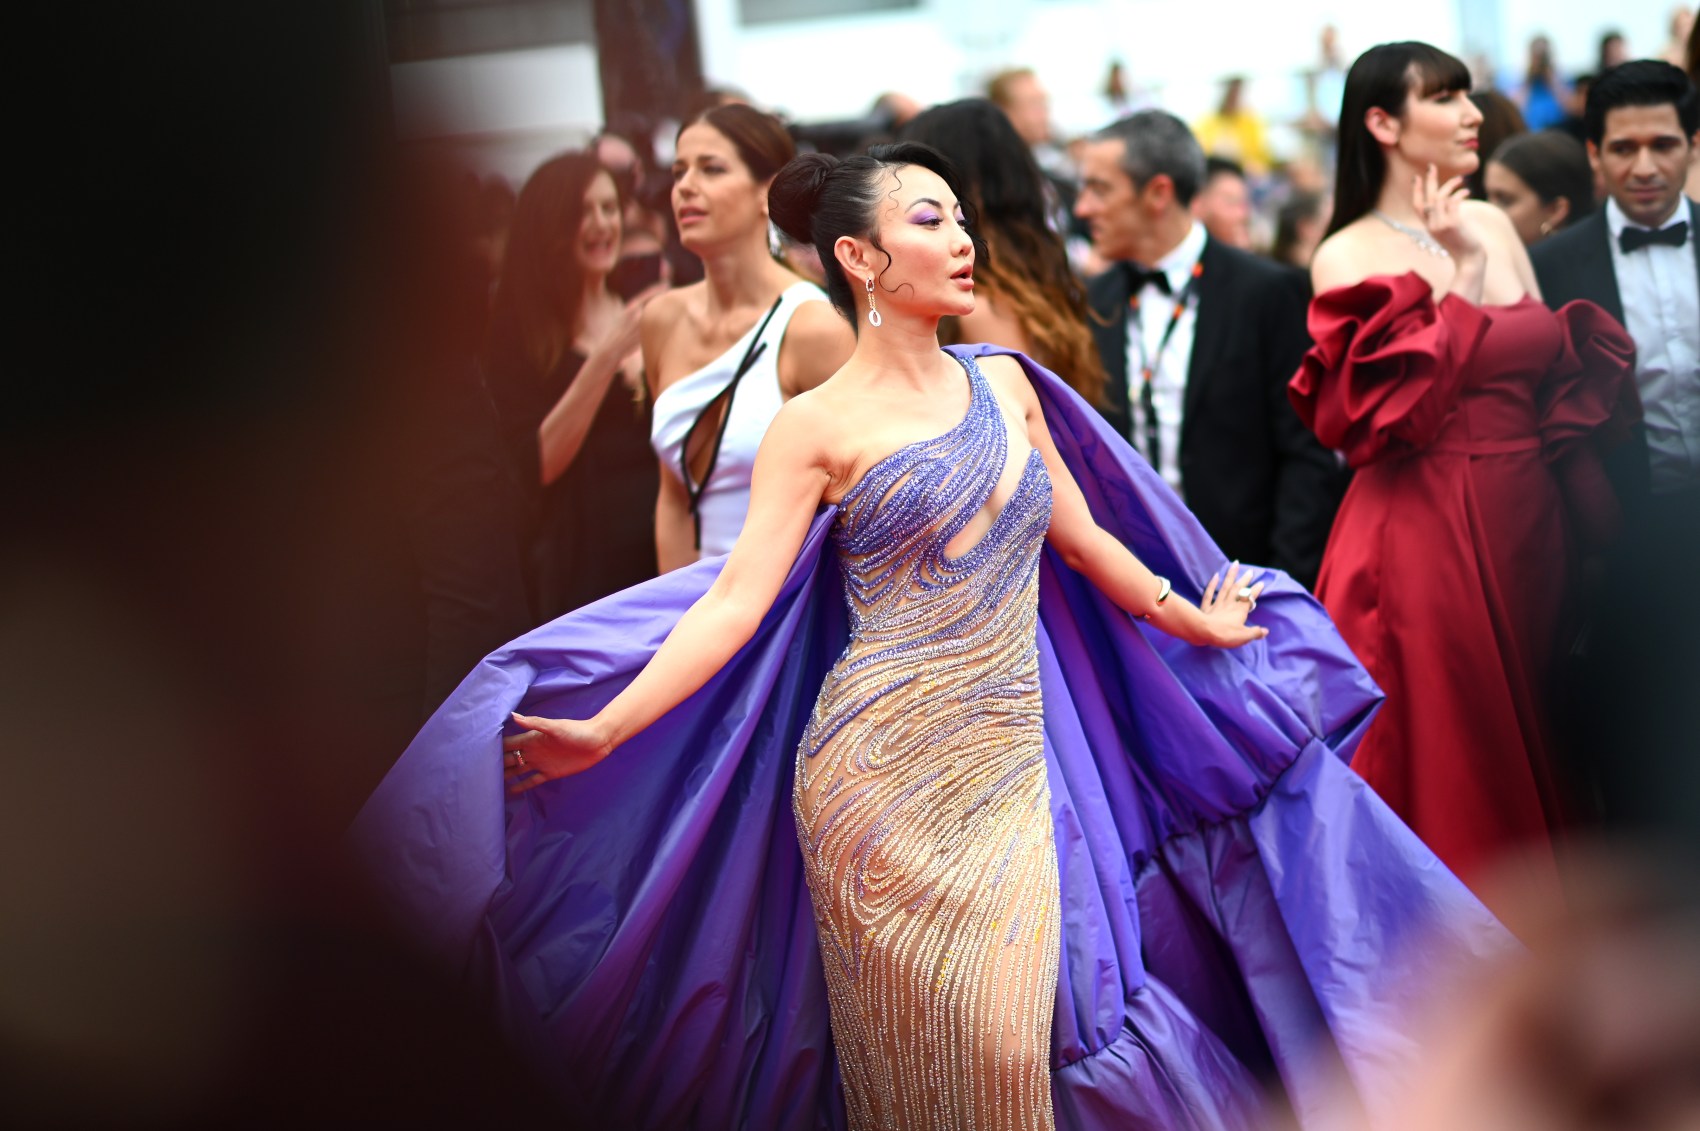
(1694, 236)
(1209, 334)
(1594, 267)
(1109, 293)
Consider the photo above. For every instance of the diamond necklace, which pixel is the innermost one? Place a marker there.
(1418, 236)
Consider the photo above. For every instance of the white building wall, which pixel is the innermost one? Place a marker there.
(503, 113)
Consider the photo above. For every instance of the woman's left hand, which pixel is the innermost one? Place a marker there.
(550, 749)
(1227, 602)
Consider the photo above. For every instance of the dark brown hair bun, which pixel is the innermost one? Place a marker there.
(795, 194)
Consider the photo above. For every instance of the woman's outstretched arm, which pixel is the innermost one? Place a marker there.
(789, 478)
(1096, 555)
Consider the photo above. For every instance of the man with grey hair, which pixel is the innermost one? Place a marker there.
(1199, 340)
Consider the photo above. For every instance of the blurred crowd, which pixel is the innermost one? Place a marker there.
(277, 487)
(632, 321)
(1273, 202)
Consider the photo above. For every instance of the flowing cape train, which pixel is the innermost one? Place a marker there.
(1241, 915)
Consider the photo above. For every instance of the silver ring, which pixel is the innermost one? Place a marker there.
(519, 759)
(1245, 595)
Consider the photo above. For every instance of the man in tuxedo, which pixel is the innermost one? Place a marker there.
(1639, 259)
(1199, 340)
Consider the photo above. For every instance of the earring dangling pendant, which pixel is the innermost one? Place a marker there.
(873, 314)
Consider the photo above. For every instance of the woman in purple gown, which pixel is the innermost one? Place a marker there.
(1110, 905)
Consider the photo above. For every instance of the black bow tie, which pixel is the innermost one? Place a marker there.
(1138, 278)
(1633, 239)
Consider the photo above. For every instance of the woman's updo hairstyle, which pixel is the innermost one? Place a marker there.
(817, 198)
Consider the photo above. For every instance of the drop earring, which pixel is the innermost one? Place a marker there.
(873, 314)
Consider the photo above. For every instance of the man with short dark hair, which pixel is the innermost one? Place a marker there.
(1639, 259)
(1199, 340)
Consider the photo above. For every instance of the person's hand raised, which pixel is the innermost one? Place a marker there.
(625, 337)
(549, 749)
(1441, 208)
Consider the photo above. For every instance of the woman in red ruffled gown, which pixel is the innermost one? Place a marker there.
(1474, 418)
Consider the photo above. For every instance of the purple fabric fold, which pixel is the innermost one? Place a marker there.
(1239, 911)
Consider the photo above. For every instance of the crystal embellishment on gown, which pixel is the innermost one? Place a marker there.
(920, 794)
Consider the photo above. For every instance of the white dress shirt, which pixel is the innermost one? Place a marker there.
(1661, 309)
(1145, 327)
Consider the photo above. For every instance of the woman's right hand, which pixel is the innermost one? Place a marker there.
(1442, 212)
(624, 339)
(550, 749)
(1227, 602)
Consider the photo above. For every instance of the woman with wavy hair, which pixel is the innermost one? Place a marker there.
(1027, 295)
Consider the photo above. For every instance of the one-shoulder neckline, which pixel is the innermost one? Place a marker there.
(972, 371)
(720, 362)
(1527, 297)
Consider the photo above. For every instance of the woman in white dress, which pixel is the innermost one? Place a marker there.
(722, 355)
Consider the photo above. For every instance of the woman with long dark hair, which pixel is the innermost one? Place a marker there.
(721, 356)
(1475, 418)
(1027, 296)
(562, 366)
(794, 839)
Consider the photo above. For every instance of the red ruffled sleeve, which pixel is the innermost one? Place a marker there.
(1387, 366)
(1587, 405)
(1591, 389)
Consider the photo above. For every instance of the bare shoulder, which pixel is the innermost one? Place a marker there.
(1492, 221)
(661, 315)
(665, 308)
(1482, 212)
(659, 329)
(1342, 259)
(810, 417)
(817, 323)
(1009, 380)
(1003, 370)
(817, 343)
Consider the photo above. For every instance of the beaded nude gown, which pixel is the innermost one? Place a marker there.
(920, 792)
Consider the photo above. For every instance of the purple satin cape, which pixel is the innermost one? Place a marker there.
(1242, 917)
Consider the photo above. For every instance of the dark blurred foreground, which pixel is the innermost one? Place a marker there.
(230, 319)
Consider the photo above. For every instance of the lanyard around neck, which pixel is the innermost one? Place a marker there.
(1148, 364)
